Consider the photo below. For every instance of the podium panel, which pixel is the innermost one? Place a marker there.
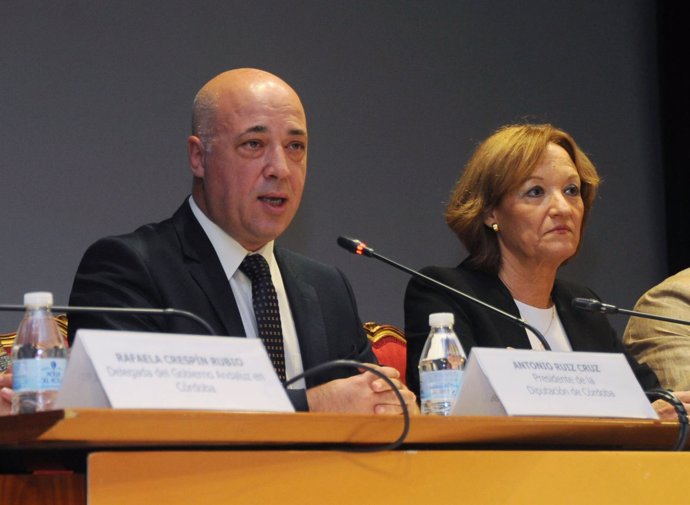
(319, 477)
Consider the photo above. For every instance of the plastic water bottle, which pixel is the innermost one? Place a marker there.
(39, 357)
(441, 366)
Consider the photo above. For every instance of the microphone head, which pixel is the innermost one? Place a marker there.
(594, 305)
(588, 304)
(355, 246)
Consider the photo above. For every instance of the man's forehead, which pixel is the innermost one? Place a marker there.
(278, 99)
(269, 110)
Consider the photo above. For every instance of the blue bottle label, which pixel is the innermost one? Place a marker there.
(440, 385)
(38, 374)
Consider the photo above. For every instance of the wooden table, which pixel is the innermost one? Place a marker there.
(139, 456)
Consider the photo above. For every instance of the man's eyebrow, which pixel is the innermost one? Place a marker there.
(263, 129)
(256, 129)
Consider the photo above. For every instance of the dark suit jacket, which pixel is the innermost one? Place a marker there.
(476, 325)
(173, 264)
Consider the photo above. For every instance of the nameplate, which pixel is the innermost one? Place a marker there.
(536, 383)
(142, 370)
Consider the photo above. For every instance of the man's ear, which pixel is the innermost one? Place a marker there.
(196, 155)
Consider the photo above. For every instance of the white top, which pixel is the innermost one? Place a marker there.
(231, 254)
(548, 323)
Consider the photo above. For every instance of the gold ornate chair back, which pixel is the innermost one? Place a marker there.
(389, 345)
(7, 339)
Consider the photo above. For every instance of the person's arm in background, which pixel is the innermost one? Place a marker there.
(662, 345)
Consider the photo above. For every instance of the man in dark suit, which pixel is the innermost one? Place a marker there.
(248, 157)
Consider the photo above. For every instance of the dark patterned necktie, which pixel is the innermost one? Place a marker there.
(266, 309)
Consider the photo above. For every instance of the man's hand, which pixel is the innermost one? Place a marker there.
(5, 393)
(365, 393)
(666, 411)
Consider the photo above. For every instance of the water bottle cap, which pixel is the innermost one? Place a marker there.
(441, 319)
(38, 299)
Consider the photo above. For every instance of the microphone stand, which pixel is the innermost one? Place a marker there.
(360, 248)
(120, 310)
(593, 305)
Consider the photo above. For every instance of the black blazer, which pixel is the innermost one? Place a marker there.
(173, 264)
(476, 325)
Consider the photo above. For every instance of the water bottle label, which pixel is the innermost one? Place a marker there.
(38, 374)
(440, 385)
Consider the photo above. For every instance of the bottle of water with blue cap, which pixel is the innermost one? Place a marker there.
(39, 357)
(441, 366)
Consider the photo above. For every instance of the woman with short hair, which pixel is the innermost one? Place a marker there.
(519, 208)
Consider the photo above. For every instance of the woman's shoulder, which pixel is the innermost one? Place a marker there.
(567, 288)
(461, 275)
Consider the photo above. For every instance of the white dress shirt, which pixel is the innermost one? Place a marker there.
(231, 254)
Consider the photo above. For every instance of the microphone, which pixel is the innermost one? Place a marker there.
(360, 248)
(592, 305)
(121, 310)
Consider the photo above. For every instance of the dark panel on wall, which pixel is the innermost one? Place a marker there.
(95, 99)
(674, 54)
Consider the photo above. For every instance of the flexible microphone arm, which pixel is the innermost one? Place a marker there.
(592, 305)
(120, 310)
(358, 247)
